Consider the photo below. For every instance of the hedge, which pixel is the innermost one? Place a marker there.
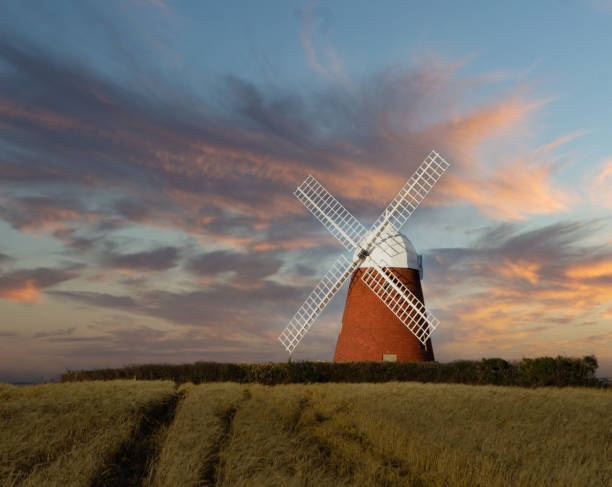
(543, 371)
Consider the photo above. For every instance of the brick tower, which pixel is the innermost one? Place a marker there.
(370, 331)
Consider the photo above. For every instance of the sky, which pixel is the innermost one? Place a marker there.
(149, 151)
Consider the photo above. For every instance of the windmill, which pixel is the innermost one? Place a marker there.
(385, 296)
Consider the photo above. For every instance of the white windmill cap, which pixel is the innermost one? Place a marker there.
(397, 250)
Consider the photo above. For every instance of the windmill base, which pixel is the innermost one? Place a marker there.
(371, 332)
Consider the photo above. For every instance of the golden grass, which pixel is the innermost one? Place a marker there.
(319, 435)
(272, 443)
(190, 452)
(419, 434)
(65, 434)
(460, 435)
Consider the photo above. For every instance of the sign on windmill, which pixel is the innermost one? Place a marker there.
(385, 316)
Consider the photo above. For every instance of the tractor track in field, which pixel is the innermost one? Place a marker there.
(212, 472)
(129, 466)
(392, 468)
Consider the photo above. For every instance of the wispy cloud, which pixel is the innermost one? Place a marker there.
(159, 259)
(247, 268)
(193, 167)
(62, 332)
(599, 187)
(24, 285)
(223, 307)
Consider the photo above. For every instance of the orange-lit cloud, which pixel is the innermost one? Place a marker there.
(590, 270)
(514, 191)
(506, 117)
(12, 110)
(512, 182)
(521, 269)
(24, 285)
(515, 294)
(26, 292)
(41, 215)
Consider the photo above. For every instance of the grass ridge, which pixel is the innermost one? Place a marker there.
(214, 468)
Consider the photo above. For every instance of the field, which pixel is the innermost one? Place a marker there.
(152, 433)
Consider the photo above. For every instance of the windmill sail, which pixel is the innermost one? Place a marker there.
(400, 300)
(412, 193)
(320, 296)
(328, 210)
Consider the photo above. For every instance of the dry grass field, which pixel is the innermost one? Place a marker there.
(408, 434)
(73, 434)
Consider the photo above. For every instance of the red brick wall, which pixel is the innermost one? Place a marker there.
(370, 329)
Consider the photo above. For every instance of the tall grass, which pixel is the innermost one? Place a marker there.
(321, 435)
(396, 434)
(66, 434)
(272, 444)
(466, 436)
(190, 452)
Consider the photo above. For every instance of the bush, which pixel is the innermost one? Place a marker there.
(559, 371)
(496, 371)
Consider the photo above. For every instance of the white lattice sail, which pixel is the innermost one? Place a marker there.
(328, 210)
(412, 193)
(400, 300)
(320, 296)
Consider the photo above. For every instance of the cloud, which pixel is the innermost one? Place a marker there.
(225, 171)
(592, 267)
(40, 213)
(24, 285)
(331, 67)
(247, 268)
(513, 286)
(138, 343)
(159, 259)
(225, 306)
(70, 238)
(514, 191)
(599, 186)
(5, 260)
(97, 299)
(63, 332)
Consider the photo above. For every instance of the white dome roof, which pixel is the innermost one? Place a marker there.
(397, 250)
